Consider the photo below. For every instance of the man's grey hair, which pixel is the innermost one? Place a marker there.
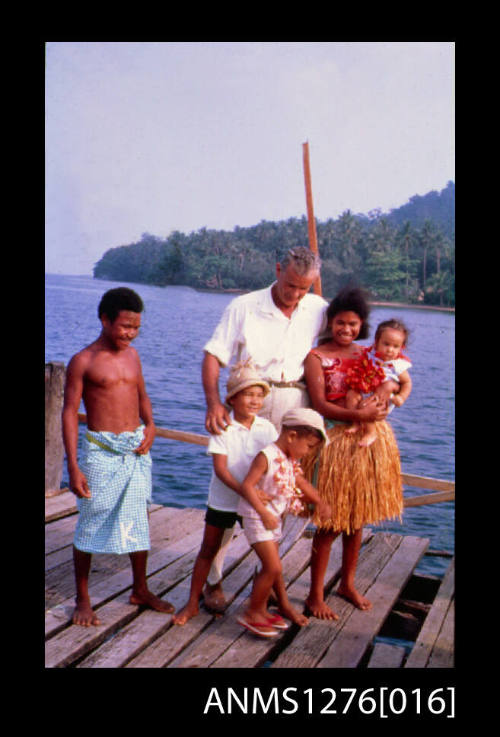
(302, 259)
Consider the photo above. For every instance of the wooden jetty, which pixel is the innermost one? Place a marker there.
(416, 610)
(410, 625)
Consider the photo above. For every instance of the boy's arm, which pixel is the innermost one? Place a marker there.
(405, 390)
(312, 496)
(72, 397)
(250, 493)
(146, 415)
(222, 472)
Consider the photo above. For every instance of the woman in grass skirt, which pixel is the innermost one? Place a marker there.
(362, 484)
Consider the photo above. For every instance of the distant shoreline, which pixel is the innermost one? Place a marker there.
(235, 292)
(398, 305)
(413, 307)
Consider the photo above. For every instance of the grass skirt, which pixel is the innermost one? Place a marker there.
(362, 485)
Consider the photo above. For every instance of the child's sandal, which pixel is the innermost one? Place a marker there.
(262, 629)
(276, 621)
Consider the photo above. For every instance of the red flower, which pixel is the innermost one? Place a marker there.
(364, 376)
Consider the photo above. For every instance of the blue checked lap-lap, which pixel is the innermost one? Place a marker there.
(115, 518)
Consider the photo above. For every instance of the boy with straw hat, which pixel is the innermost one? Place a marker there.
(232, 453)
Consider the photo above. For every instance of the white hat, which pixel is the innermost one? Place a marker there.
(307, 417)
(242, 376)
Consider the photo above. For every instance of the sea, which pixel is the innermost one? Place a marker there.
(176, 324)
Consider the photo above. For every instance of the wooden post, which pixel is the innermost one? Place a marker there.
(311, 223)
(54, 449)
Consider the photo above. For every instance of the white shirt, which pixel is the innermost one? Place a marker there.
(392, 369)
(240, 444)
(253, 327)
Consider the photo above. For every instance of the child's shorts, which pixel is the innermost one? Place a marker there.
(255, 531)
(224, 520)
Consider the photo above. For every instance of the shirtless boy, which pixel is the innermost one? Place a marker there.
(113, 482)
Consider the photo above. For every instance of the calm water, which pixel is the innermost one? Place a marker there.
(176, 324)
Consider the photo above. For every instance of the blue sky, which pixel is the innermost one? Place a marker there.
(162, 136)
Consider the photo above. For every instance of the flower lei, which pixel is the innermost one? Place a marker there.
(364, 376)
(284, 478)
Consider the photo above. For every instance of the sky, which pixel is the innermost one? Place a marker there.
(152, 137)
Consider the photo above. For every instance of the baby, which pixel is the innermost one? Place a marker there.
(382, 370)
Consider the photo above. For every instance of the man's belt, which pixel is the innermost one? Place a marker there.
(286, 384)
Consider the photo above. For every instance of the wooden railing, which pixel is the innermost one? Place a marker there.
(445, 489)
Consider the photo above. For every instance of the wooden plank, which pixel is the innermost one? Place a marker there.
(249, 651)
(363, 626)
(185, 437)
(217, 638)
(64, 504)
(166, 525)
(160, 517)
(109, 586)
(178, 638)
(442, 655)
(55, 492)
(225, 631)
(105, 582)
(58, 557)
(385, 655)
(131, 639)
(131, 642)
(440, 496)
(59, 506)
(75, 642)
(422, 649)
(425, 482)
(311, 642)
(59, 534)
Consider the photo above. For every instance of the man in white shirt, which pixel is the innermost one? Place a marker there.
(275, 327)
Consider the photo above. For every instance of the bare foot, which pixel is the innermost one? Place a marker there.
(367, 439)
(320, 609)
(84, 615)
(148, 599)
(186, 613)
(293, 615)
(352, 595)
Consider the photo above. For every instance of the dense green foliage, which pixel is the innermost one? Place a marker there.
(407, 255)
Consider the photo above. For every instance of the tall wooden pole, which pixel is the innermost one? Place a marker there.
(55, 374)
(311, 223)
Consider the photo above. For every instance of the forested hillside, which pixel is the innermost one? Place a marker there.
(406, 255)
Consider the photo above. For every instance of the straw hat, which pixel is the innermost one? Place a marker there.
(242, 376)
(307, 417)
